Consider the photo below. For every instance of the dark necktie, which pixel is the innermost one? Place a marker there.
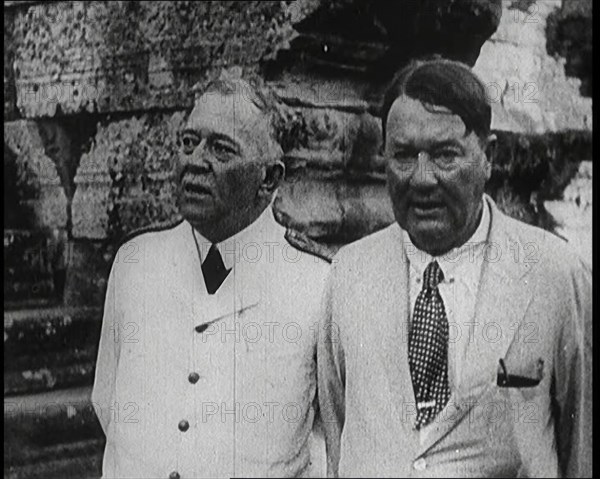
(214, 270)
(428, 348)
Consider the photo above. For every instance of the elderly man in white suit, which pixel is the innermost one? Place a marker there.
(206, 365)
(458, 339)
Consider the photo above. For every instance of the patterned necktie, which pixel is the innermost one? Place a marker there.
(428, 348)
(214, 270)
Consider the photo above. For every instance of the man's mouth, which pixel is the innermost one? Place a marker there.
(194, 186)
(427, 207)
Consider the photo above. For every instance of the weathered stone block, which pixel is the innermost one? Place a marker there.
(125, 181)
(64, 141)
(310, 206)
(10, 97)
(123, 56)
(328, 129)
(335, 140)
(90, 205)
(523, 23)
(528, 88)
(333, 209)
(305, 90)
(366, 208)
(148, 208)
(365, 152)
(39, 184)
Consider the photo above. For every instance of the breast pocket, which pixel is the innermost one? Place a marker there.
(520, 380)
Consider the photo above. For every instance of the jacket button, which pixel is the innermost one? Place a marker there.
(174, 475)
(193, 378)
(183, 425)
(420, 464)
(201, 328)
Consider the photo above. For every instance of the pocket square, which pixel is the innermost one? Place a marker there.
(529, 376)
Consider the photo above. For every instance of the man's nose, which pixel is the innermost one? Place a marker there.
(201, 156)
(424, 173)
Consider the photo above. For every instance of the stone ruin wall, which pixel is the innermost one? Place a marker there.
(94, 92)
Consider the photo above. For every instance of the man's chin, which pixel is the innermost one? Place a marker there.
(435, 240)
(196, 212)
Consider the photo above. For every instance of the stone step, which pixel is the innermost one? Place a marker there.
(86, 466)
(49, 348)
(81, 460)
(27, 380)
(31, 331)
(34, 266)
(54, 425)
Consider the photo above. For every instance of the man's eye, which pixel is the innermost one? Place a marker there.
(446, 156)
(223, 149)
(189, 143)
(404, 155)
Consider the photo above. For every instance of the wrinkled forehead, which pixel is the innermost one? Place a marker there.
(411, 121)
(227, 114)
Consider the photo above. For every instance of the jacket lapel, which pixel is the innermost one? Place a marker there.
(393, 302)
(502, 301)
(239, 292)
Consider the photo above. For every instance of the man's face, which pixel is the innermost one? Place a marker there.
(222, 160)
(436, 196)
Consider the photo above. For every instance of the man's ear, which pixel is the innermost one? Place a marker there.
(273, 176)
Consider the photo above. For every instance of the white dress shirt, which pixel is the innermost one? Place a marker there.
(462, 271)
(246, 245)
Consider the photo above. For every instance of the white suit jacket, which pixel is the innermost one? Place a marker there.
(252, 346)
(533, 310)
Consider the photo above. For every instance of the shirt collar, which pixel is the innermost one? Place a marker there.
(235, 247)
(449, 261)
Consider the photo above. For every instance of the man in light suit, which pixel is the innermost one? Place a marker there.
(457, 340)
(206, 365)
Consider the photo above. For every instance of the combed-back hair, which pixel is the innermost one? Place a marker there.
(442, 83)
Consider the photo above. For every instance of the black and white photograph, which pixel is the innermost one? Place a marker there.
(299, 238)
